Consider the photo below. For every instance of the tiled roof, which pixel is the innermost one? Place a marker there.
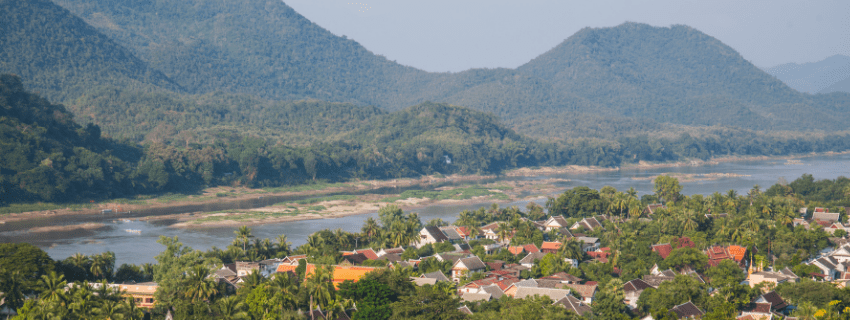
(436, 233)
(550, 246)
(369, 253)
(356, 258)
(494, 290)
(436, 275)
(776, 301)
(663, 249)
(423, 281)
(465, 310)
(636, 285)
(584, 290)
(759, 307)
(554, 294)
(685, 242)
(548, 283)
(687, 309)
(472, 263)
(529, 258)
(341, 273)
(451, 233)
(571, 303)
(530, 248)
(515, 250)
(475, 297)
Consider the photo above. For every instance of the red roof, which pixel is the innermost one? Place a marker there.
(530, 248)
(369, 253)
(663, 249)
(685, 242)
(737, 252)
(516, 250)
(550, 246)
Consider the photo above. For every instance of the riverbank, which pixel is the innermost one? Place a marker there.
(355, 205)
(501, 192)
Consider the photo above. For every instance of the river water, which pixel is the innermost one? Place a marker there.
(142, 248)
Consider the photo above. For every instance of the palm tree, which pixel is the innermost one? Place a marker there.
(805, 311)
(198, 287)
(80, 260)
(109, 310)
(230, 308)
(632, 193)
(254, 279)
(285, 289)
(15, 285)
(243, 233)
(319, 285)
(98, 267)
(131, 311)
(342, 239)
(283, 245)
(53, 287)
(83, 301)
(370, 228)
(504, 230)
(689, 222)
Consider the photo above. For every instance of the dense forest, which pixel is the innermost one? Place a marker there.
(760, 221)
(603, 83)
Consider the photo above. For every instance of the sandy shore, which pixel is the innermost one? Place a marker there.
(83, 226)
(365, 204)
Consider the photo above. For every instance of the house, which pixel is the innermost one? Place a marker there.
(467, 266)
(757, 310)
(771, 277)
(589, 243)
(452, 234)
(354, 259)
(470, 297)
(269, 267)
(141, 293)
(369, 253)
(451, 256)
(550, 247)
(529, 259)
(243, 268)
(436, 275)
(687, 310)
(663, 249)
(387, 251)
(633, 289)
(555, 223)
(423, 281)
(823, 214)
(829, 267)
(652, 208)
(465, 233)
(465, 310)
(489, 230)
(513, 287)
(340, 273)
(777, 304)
(587, 292)
(430, 235)
(720, 253)
(516, 250)
(574, 305)
(801, 222)
(554, 294)
(293, 260)
(587, 223)
(564, 277)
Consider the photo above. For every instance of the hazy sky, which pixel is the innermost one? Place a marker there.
(455, 35)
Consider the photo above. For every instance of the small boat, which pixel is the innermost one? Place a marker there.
(133, 231)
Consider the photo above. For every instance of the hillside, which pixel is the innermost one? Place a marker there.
(813, 77)
(840, 86)
(60, 55)
(607, 82)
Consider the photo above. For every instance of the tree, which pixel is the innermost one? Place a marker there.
(427, 303)
(389, 214)
(726, 273)
(13, 285)
(371, 297)
(504, 231)
(199, 287)
(667, 188)
(230, 308)
(609, 301)
(681, 257)
(52, 288)
(320, 287)
(285, 289)
(243, 234)
(370, 228)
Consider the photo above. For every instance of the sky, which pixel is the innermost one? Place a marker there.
(456, 35)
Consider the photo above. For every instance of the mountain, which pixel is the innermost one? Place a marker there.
(813, 77)
(627, 80)
(840, 86)
(60, 55)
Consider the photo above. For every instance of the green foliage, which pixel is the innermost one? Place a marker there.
(576, 202)
(371, 298)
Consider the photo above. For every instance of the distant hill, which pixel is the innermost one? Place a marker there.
(813, 77)
(60, 55)
(840, 86)
(605, 83)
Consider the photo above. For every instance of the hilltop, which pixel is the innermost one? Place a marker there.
(813, 77)
(60, 55)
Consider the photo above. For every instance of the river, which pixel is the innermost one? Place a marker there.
(142, 248)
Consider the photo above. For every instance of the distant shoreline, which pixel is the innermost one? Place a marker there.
(363, 206)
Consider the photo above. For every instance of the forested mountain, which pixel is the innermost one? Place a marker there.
(60, 55)
(840, 86)
(813, 77)
(603, 82)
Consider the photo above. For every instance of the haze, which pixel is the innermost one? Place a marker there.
(455, 35)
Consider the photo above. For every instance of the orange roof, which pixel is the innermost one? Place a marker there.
(737, 252)
(369, 253)
(550, 246)
(516, 250)
(341, 273)
(462, 231)
(346, 253)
